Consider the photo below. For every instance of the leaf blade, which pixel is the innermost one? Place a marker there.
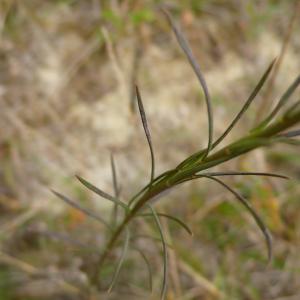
(165, 252)
(146, 130)
(232, 173)
(256, 217)
(247, 104)
(176, 220)
(183, 43)
(101, 193)
(282, 101)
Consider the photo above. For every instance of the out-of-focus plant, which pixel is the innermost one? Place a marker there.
(275, 128)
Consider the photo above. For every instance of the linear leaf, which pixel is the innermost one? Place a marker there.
(282, 101)
(230, 173)
(182, 41)
(121, 260)
(146, 130)
(178, 221)
(165, 253)
(252, 211)
(101, 193)
(80, 208)
(247, 103)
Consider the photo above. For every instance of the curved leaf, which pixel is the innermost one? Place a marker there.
(193, 62)
(252, 211)
(230, 173)
(146, 129)
(247, 104)
(178, 221)
(165, 253)
(282, 101)
(101, 193)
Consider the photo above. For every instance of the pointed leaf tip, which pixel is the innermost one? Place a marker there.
(101, 193)
(185, 47)
(147, 131)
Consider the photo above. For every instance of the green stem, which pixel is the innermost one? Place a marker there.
(254, 140)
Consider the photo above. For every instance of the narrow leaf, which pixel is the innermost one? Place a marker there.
(165, 253)
(178, 221)
(230, 173)
(191, 58)
(283, 100)
(101, 193)
(247, 104)
(80, 208)
(252, 211)
(121, 260)
(146, 130)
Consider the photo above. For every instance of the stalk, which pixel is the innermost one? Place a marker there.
(162, 183)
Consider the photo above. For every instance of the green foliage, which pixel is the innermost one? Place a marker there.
(271, 130)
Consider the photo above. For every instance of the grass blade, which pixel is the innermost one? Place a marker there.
(190, 56)
(178, 221)
(146, 130)
(80, 208)
(230, 173)
(283, 100)
(247, 103)
(165, 253)
(101, 193)
(252, 211)
(121, 260)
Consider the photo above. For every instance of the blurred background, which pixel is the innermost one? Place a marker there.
(67, 101)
